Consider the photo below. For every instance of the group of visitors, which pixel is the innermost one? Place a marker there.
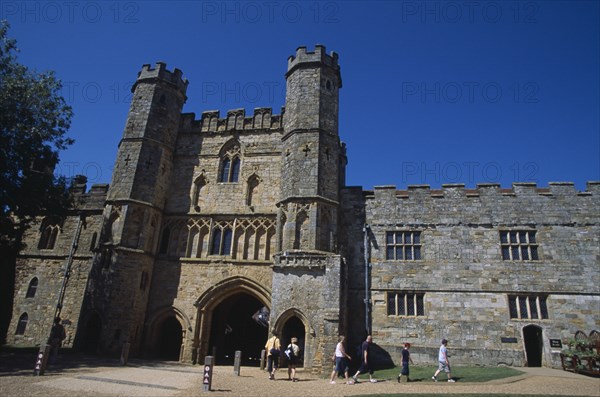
(291, 352)
(341, 360)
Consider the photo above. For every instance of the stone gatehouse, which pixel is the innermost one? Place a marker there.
(208, 220)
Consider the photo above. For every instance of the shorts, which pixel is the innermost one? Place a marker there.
(341, 365)
(404, 369)
(444, 367)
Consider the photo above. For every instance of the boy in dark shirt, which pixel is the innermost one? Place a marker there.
(405, 360)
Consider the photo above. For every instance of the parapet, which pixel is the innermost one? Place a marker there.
(449, 191)
(99, 189)
(318, 56)
(210, 121)
(160, 72)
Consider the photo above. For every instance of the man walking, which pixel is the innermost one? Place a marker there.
(273, 349)
(444, 364)
(365, 365)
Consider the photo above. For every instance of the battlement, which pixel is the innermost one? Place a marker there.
(485, 190)
(160, 72)
(318, 56)
(210, 121)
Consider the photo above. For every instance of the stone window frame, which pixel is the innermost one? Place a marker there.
(413, 246)
(49, 231)
(405, 304)
(221, 241)
(519, 245)
(22, 324)
(230, 163)
(528, 307)
(32, 288)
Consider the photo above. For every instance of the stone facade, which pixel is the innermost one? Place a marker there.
(208, 220)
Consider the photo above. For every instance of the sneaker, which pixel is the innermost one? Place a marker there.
(373, 380)
(349, 382)
(434, 378)
(355, 379)
(332, 382)
(451, 380)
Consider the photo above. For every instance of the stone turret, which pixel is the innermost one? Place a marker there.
(313, 156)
(313, 162)
(134, 208)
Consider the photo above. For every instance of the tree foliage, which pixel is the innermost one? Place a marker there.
(34, 119)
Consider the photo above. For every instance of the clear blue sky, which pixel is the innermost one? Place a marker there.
(433, 92)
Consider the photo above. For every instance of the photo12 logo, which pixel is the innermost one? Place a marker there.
(469, 92)
(94, 92)
(472, 12)
(237, 12)
(468, 172)
(70, 11)
(266, 92)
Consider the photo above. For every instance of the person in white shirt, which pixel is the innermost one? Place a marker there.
(340, 358)
(444, 363)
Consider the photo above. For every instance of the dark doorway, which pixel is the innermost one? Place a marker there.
(91, 334)
(532, 334)
(294, 327)
(234, 329)
(170, 340)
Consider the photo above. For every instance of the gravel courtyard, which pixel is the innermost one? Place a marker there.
(103, 378)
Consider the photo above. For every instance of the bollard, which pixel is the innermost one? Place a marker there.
(237, 362)
(208, 370)
(125, 353)
(263, 355)
(41, 360)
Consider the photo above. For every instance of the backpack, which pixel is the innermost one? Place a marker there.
(289, 352)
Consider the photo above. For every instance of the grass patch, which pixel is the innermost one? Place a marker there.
(460, 374)
(459, 395)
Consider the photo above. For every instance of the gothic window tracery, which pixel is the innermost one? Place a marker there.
(254, 239)
(50, 229)
(221, 241)
(197, 238)
(230, 162)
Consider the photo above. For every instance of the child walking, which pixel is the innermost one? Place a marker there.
(405, 360)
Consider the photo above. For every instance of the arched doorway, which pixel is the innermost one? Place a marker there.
(232, 328)
(294, 327)
(532, 337)
(170, 339)
(91, 334)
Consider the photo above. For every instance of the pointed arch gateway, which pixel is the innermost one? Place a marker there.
(224, 322)
(293, 323)
(167, 334)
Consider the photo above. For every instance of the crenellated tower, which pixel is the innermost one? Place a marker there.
(308, 272)
(313, 156)
(118, 292)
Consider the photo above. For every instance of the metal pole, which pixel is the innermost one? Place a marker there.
(367, 295)
(67, 274)
(42, 360)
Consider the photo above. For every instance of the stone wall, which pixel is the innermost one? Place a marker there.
(306, 284)
(462, 275)
(48, 266)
